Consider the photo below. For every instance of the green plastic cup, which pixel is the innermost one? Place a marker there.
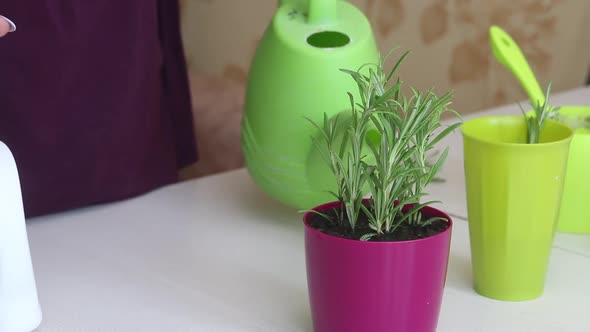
(514, 194)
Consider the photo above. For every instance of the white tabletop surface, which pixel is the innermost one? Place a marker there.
(216, 255)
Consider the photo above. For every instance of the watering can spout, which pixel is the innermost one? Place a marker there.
(19, 305)
(320, 11)
(285, 2)
(290, 2)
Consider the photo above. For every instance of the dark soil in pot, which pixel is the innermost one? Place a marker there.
(404, 232)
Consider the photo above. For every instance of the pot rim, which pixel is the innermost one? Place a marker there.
(515, 118)
(328, 205)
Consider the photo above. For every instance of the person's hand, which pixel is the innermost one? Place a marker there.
(6, 26)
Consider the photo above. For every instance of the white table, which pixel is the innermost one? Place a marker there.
(216, 255)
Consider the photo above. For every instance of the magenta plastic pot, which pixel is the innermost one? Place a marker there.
(361, 286)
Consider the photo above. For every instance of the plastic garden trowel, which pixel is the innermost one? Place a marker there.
(574, 215)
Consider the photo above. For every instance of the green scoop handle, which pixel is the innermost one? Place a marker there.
(510, 55)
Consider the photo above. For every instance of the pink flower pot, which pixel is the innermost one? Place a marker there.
(361, 286)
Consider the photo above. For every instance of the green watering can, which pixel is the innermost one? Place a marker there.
(574, 214)
(295, 74)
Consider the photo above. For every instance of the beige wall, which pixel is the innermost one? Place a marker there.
(448, 39)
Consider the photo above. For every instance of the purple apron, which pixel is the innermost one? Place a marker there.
(94, 100)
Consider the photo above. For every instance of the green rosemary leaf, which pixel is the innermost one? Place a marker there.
(431, 220)
(321, 214)
(434, 169)
(368, 236)
(444, 133)
(397, 65)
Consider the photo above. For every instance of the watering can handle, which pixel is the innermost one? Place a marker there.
(320, 11)
(507, 52)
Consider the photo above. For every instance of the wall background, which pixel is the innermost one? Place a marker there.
(448, 39)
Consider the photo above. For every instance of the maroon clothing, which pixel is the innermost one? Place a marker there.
(94, 99)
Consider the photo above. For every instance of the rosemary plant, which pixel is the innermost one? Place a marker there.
(346, 165)
(424, 140)
(384, 148)
(536, 121)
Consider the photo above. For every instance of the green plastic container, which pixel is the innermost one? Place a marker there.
(514, 192)
(296, 75)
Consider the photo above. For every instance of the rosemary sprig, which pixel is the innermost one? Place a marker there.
(536, 121)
